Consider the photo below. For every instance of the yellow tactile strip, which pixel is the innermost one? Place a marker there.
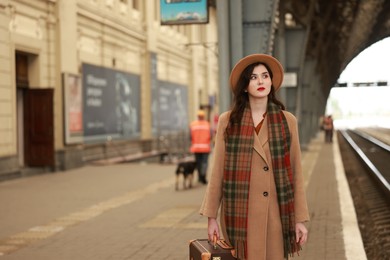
(173, 218)
(37, 233)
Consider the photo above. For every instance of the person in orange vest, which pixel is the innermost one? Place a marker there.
(328, 127)
(200, 131)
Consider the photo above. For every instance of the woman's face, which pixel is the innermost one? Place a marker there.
(260, 82)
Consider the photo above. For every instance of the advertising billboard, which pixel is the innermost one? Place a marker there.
(171, 101)
(179, 12)
(111, 103)
(73, 108)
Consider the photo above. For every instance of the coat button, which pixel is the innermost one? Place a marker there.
(265, 168)
(265, 194)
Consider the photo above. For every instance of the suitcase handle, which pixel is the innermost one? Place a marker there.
(222, 243)
(215, 241)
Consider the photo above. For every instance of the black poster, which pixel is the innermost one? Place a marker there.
(155, 93)
(172, 103)
(111, 103)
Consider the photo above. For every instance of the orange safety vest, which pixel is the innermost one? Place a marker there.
(328, 124)
(200, 136)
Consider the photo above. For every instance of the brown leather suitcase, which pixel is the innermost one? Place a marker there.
(203, 249)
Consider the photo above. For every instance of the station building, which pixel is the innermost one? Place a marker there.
(84, 80)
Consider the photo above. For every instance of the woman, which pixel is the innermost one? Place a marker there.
(328, 127)
(256, 173)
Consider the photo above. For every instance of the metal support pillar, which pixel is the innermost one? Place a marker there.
(280, 48)
(294, 37)
(301, 75)
(258, 22)
(318, 104)
(224, 92)
(236, 31)
(307, 104)
(244, 27)
(249, 26)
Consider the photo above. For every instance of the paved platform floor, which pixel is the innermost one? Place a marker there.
(131, 211)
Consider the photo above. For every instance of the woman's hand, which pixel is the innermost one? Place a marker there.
(301, 233)
(213, 228)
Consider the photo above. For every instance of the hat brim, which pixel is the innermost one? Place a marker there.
(272, 63)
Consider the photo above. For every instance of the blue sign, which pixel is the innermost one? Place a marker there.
(178, 12)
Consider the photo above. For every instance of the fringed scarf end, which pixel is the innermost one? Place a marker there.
(240, 250)
(293, 248)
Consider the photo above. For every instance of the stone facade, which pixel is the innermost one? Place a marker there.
(41, 41)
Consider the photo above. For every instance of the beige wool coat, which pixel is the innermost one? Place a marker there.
(264, 234)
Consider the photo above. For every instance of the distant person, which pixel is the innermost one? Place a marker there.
(328, 128)
(201, 144)
(256, 176)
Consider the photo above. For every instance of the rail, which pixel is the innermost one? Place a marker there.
(371, 201)
(373, 140)
(383, 182)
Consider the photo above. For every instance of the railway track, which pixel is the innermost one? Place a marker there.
(367, 166)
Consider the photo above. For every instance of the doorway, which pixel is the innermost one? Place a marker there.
(35, 116)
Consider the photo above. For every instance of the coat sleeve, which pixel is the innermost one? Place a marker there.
(213, 196)
(301, 210)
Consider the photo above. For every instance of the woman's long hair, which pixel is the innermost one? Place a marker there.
(241, 98)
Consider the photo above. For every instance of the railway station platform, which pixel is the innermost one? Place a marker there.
(132, 211)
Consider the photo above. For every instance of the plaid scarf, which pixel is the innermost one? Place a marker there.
(237, 172)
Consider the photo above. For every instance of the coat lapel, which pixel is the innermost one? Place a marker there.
(261, 140)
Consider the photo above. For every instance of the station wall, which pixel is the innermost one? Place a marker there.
(42, 42)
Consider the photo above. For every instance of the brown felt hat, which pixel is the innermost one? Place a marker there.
(272, 63)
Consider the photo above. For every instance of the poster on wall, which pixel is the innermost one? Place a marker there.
(73, 108)
(111, 104)
(179, 12)
(154, 93)
(172, 112)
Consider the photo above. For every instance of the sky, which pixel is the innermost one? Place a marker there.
(363, 106)
(372, 64)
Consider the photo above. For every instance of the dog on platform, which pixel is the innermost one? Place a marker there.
(186, 169)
